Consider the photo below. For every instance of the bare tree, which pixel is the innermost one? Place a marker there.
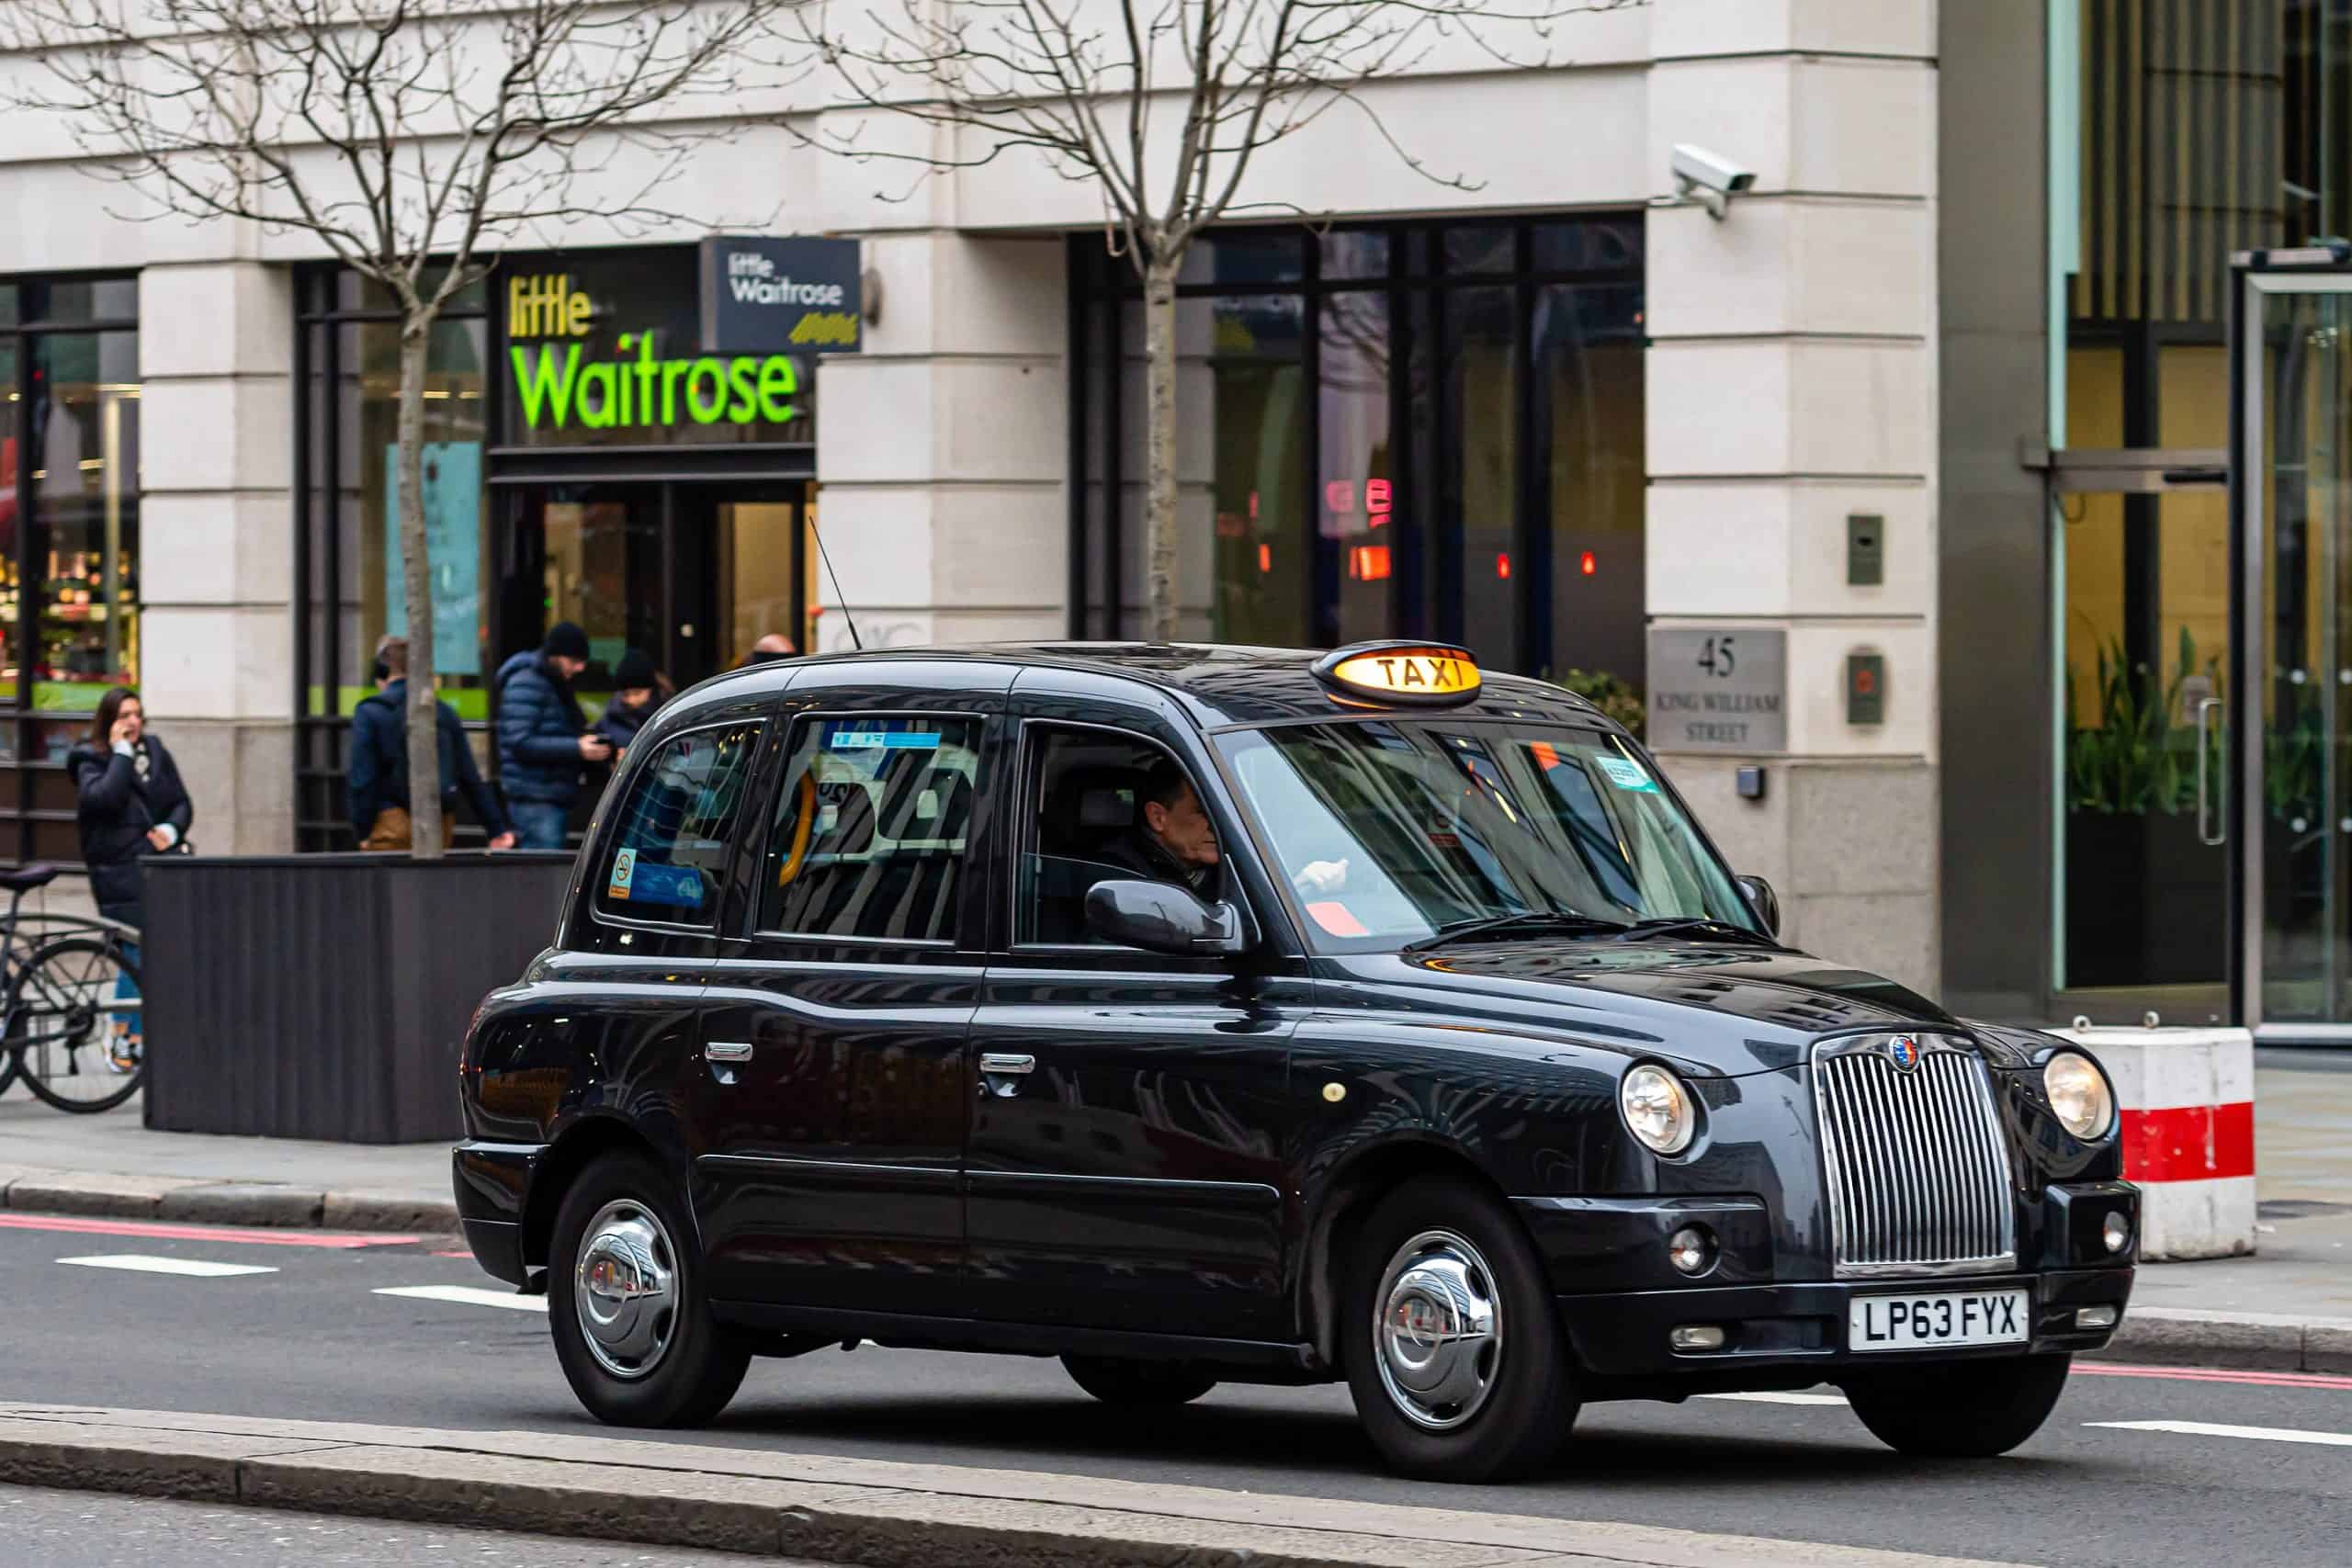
(1162, 106)
(411, 139)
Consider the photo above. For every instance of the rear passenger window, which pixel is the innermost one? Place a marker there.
(669, 855)
(870, 825)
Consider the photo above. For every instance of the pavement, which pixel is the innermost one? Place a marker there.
(370, 1375)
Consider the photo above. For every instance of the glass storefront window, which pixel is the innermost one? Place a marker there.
(1470, 462)
(455, 505)
(85, 452)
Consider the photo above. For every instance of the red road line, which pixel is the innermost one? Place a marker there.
(335, 1239)
(2216, 1374)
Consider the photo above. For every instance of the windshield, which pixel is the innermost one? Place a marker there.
(1391, 832)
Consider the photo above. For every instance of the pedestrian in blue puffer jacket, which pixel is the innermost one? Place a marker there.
(543, 739)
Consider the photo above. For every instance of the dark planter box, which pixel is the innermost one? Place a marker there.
(327, 995)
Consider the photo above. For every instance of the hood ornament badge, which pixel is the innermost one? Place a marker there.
(1903, 1051)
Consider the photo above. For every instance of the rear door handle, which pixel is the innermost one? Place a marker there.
(998, 1063)
(728, 1051)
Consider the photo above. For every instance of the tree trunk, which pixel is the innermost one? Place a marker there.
(1160, 521)
(416, 588)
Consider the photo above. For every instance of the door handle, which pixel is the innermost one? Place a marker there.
(728, 1051)
(996, 1064)
(2204, 715)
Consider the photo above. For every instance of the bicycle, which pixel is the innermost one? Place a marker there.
(71, 1021)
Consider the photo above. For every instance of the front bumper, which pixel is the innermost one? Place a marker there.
(491, 1183)
(1787, 1326)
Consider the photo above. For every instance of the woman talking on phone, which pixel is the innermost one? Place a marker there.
(132, 804)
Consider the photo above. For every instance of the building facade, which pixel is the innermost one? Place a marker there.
(1813, 489)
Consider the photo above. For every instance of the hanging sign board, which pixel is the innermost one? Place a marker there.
(1718, 689)
(770, 296)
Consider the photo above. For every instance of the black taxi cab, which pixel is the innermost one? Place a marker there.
(1202, 1014)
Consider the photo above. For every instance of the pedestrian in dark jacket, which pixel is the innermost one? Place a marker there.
(130, 803)
(543, 738)
(637, 694)
(379, 778)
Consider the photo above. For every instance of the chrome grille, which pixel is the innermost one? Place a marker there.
(1918, 1177)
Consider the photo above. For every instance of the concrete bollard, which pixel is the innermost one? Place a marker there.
(2185, 1097)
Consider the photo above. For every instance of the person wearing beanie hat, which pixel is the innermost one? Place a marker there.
(544, 740)
(637, 693)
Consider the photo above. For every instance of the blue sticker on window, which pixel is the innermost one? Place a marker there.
(1627, 775)
(673, 887)
(887, 740)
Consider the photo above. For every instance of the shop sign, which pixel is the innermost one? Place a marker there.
(1718, 689)
(772, 295)
(547, 323)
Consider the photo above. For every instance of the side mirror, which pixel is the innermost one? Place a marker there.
(1763, 900)
(1160, 917)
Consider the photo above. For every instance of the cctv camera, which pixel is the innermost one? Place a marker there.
(1709, 178)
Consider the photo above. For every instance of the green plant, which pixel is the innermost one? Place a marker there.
(2139, 757)
(1610, 695)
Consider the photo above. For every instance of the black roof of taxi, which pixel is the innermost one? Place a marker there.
(1222, 684)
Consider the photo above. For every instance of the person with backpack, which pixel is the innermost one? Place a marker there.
(543, 737)
(378, 781)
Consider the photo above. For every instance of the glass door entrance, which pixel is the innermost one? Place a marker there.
(690, 574)
(2294, 328)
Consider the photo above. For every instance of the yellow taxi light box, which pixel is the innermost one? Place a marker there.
(1410, 675)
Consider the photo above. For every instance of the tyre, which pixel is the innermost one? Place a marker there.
(74, 1029)
(1959, 1409)
(1137, 1383)
(633, 1328)
(1451, 1347)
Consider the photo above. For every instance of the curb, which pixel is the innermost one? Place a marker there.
(2244, 1341)
(822, 1508)
(101, 1194)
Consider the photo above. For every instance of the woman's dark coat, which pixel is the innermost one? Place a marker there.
(116, 810)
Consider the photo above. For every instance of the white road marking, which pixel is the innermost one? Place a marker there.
(2216, 1429)
(194, 1267)
(1782, 1398)
(466, 1295)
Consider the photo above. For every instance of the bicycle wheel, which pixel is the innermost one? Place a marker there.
(73, 1024)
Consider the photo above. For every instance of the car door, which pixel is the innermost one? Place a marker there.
(1130, 1110)
(834, 1026)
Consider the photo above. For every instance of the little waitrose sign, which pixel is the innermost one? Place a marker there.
(562, 380)
(770, 296)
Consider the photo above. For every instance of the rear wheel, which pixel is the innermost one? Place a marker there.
(75, 1028)
(1117, 1382)
(1959, 1409)
(1454, 1352)
(626, 1307)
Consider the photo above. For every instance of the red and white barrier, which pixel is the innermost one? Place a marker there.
(2185, 1097)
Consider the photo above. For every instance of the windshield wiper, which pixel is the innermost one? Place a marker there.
(1520, 922)
(1699, 926)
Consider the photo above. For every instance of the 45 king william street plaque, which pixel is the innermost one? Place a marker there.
(1718, 689)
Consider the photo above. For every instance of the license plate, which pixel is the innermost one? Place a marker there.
(1936, 1321)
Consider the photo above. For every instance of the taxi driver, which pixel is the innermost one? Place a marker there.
(1174, 840)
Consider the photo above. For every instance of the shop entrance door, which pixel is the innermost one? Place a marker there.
(691, 573)
(2292, 363)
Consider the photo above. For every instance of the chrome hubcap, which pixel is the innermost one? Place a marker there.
(625, 1289)
(1438, 1334)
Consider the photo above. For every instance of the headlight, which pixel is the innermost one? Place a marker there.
(1657, 1107)
(2078, 1093)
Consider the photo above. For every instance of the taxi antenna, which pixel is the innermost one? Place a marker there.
(847, 615)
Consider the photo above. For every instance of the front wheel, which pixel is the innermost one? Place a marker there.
(626, 1307)
(1454, 1352)
(75, 1028)
(1959, 1409)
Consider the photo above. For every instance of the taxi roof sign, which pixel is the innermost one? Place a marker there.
(1402, 674)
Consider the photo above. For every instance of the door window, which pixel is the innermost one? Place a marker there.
(870, 828)
(1088, 793)
(669, 854)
